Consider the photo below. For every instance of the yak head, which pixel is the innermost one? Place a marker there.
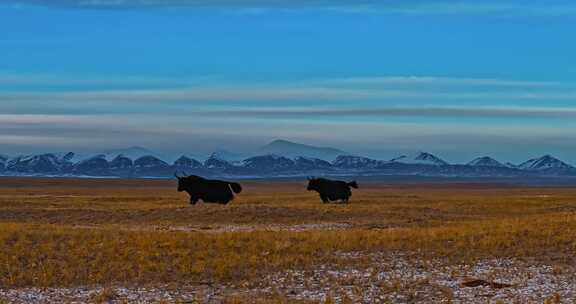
(313, 184)
(181, 182)
(185, 182)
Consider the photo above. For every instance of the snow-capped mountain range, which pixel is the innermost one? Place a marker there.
(299, 160)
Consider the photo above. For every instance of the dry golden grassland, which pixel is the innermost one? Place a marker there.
(72, 232)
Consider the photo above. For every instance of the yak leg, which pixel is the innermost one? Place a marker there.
(324, 199)
(194, 200)
(225, 199)
(346, 199)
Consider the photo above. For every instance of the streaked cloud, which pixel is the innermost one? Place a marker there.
(451, 112)
(431, 80)
(11, 79)
(495, 8)
(220, 3)
(8, 79)
(193, 3)
(207, 121)
(444, 7)
(201, 133)
(411, 110)
(236, 94)
(57, 94)
(203, 94)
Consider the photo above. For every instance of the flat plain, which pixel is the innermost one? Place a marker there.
(124, 241)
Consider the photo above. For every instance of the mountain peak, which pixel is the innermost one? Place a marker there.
(214, 162)
(420, 158)
(544, 163)
(486, 161)
(132, 153)
(216, 156)
(226, 155)
(292, 149)
(281, 142)
(354, 162)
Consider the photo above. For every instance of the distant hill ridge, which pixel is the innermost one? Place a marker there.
(291, 149)
(486, 161)
(297, 160)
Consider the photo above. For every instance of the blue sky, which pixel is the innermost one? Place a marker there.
(457, 78)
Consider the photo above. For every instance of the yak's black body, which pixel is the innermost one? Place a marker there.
(209, 191)
(331, 190)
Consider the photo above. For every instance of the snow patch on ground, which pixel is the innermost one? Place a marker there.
(383, 279)
(400, 280)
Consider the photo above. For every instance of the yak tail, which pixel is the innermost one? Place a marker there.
(235, 187)
(353, 184)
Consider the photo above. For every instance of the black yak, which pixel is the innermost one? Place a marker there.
(331, 190)
(209, 191)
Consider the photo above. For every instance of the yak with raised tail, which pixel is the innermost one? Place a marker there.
(332, 190)
(209, 191)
